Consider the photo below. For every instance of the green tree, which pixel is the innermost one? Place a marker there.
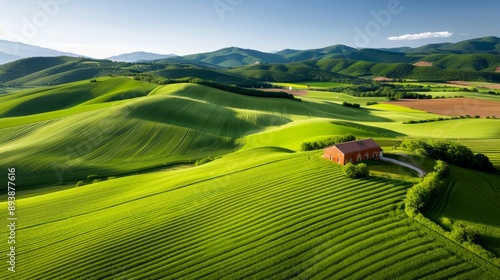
(349, 170)
(356, 171)
(483, 163)
(464, 233)
(362, 170)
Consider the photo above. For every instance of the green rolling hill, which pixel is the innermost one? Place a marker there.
(24, 67)
(300, 55)
(39, 71)
(471, 197)
(107, 188)
(291, 72)
(262, 213)
(233, 57)
(41, 100)
(489, 44)
(465, 62)
(472, 60)
(180, 122)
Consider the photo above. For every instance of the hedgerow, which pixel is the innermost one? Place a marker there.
(422, 194)
(310, 146)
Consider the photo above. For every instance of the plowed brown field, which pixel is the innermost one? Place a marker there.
(453, 106)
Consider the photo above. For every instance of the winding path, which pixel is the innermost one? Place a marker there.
(421, 173)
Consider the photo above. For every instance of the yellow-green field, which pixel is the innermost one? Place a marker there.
(97, 196)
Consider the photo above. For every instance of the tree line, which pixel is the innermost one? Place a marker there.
(450, 152)
(310, 146)
(389, 91)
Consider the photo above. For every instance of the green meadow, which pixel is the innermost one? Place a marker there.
(107, 187)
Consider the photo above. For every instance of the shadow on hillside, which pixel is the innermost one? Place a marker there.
(333, 110)
(491, 243)
(325, 109)
(203, 117)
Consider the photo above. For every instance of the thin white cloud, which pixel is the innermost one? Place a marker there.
(424, 35)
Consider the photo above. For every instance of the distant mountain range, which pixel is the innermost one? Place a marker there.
(473, 60)
(237, 57)
(11, 51)
(139, 57)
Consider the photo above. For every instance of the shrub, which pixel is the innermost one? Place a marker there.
(352, 105)
(203, 161)
(464, 233)
(306, 146)
(349, 170)
(442, 169)
(355, 171)
(483, 163)
(362, 170)
(79, 184)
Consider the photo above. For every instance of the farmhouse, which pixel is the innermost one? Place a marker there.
(353, 151)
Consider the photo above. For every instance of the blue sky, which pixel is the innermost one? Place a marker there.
(109, 27)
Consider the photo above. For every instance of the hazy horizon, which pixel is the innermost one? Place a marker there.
(104, 29)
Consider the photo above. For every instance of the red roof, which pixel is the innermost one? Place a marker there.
(355, 146)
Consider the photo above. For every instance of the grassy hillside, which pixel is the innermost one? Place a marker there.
(99, 196)
(474, 198)
(292, 135)
(40, 71)
(48, 99)
(263, 213)
(24, 67)
(94, 126)
(175, 123)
